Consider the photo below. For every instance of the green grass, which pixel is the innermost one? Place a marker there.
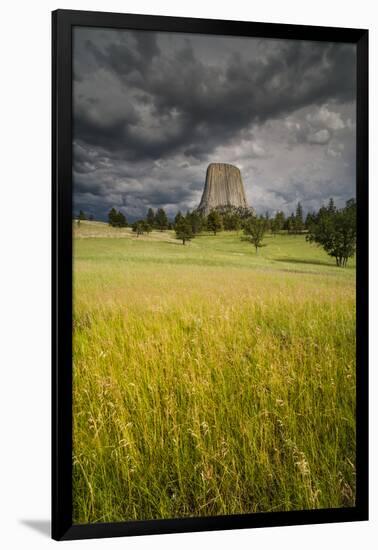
(208, 379)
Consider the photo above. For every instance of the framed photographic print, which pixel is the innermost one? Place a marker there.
(210, 215)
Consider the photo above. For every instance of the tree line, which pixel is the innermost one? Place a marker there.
(82, 216)
(154, 220)
(334, 229)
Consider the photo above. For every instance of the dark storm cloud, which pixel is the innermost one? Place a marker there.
(143, 97)
(194, 106)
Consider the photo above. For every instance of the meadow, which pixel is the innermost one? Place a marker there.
(209, 379)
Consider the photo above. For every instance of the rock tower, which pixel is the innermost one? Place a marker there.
(223, 188)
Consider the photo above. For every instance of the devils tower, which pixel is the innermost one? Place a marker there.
(223, 188)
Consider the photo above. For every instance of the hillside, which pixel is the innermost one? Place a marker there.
(281, 252)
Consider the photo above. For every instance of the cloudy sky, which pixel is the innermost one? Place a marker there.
(152, 110)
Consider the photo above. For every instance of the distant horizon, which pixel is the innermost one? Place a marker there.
(171, 217)
(152, 110)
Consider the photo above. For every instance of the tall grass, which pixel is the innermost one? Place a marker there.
(205, 390)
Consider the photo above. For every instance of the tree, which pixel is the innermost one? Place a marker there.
(290, 224)
(161, 219)
(196, 221)
(121, 220)
(331, 206)
(82, 215)
(112, 216)
(178, 217)
(184, 230)
(214, 222)
(231, 221)
(267, 221)
(117, 219)
(274, 226)
(255, 229)
(150, 218)
(298, 220)
(281, 218)
(278, 222)
(138, 228)
(147, 228)
(310, 219)
(336, 231)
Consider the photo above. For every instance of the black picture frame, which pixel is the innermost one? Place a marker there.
(62, 23)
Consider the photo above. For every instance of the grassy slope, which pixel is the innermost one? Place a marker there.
(209, 380)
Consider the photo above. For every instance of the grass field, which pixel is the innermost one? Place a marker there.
(208, 379)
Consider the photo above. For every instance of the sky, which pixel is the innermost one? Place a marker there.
(152, 110)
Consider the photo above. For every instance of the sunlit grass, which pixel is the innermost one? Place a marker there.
(209, 380)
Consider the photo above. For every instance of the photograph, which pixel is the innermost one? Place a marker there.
(214, 208)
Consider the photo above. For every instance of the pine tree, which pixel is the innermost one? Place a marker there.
(214, 222)
(267, 221)
(183, 229)
(138, 227)
(117, 219)
(178, 217)
(161, 219)
(299, 218)
(291, 224)
(195, 220)
(336, 231)
(255, 229)
(150, 217)
(331, 206)
(112, 215)
(231, 221)
(310, 219)
(278, 222)
(120, 220)
(146, 227)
